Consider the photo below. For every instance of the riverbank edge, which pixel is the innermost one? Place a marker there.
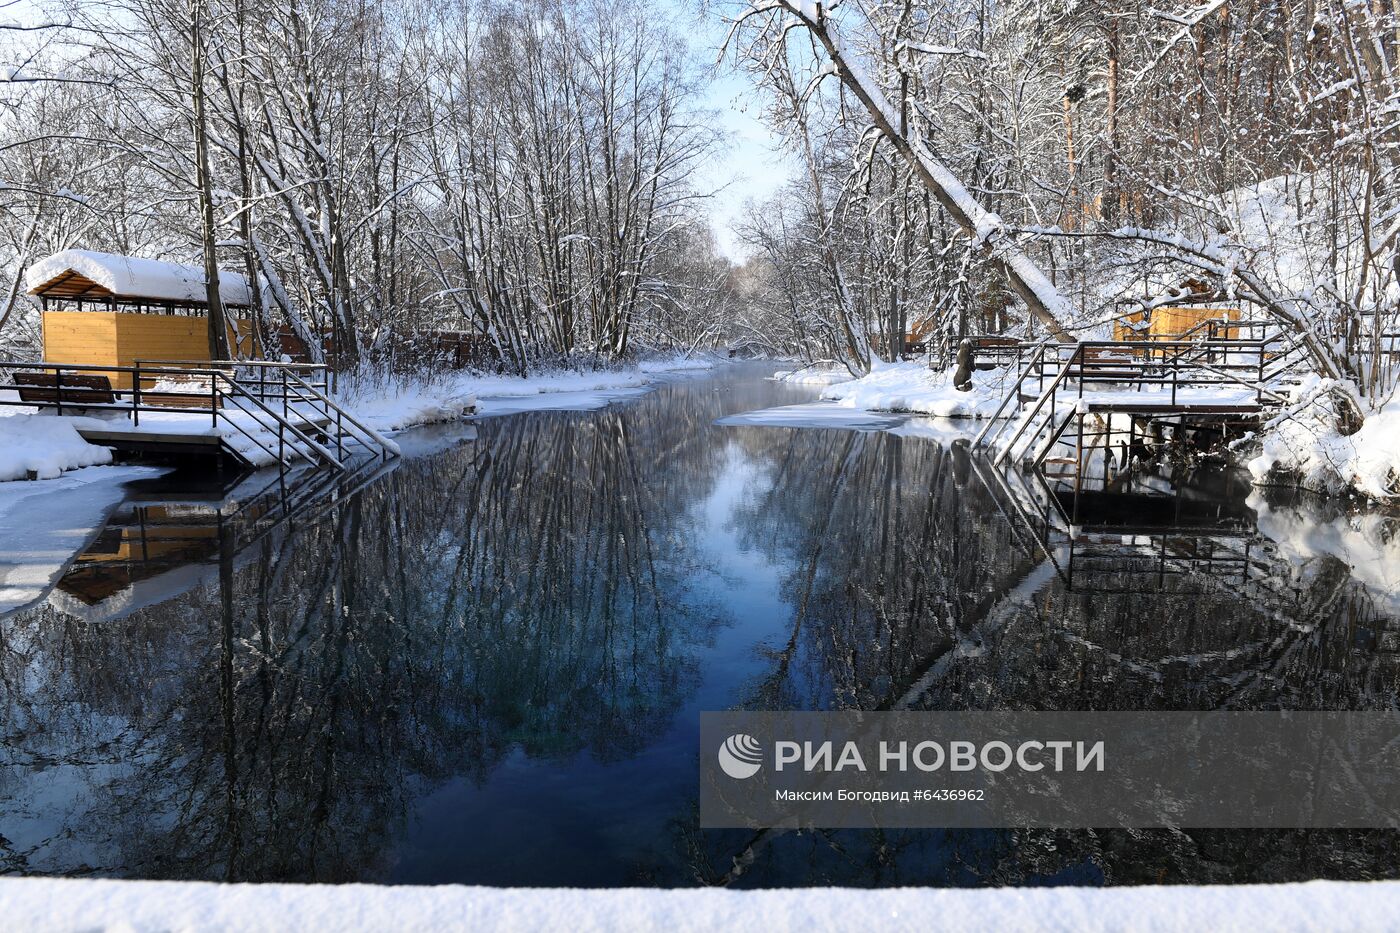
(390, 405)
(1298, 448)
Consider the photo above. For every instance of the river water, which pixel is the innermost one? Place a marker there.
(484, 663)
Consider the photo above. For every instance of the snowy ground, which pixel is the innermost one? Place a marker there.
(38, 905)
(1302, 445)
(44, 447)
(913, 387)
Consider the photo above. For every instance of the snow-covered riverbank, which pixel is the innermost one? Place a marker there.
(914, 388)
(41, 905)
(1300, 445)
(43, 446)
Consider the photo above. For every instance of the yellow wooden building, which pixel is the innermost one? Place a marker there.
(1178, 322)
(105, 309)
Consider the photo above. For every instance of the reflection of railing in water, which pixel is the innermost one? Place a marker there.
(1120, 544)
(160, 530)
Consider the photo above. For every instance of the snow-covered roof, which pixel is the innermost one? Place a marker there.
(74, 273)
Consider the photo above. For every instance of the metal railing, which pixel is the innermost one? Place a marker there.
(285, 405)
(1166, 366)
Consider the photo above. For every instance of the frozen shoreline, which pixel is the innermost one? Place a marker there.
(1299, 446)
(43, 904)
(47, 446)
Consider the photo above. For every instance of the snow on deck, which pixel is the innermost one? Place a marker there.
(133, 277)
(44, 904)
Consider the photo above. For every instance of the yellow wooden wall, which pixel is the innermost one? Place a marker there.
(118, 338)
(80, 337)
(1170, 322)
(1126, 327)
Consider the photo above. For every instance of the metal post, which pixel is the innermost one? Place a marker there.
(1259, 386)
(1078, 461)
(136, 397)
(58, 389)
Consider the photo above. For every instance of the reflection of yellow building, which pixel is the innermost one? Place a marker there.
(103, 309)
(135, 545)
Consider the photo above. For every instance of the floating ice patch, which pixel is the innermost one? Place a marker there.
(815, 415)
(557, 401)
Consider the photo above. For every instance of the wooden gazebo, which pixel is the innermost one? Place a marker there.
(106, 309)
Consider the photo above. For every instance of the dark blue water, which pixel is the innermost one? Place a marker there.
(485, 664)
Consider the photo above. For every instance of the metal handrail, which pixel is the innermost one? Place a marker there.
(385, 445)
(1039, 353)
(1045, 394)
(233, 390)
(286, 423)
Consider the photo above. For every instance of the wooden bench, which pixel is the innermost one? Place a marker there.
(1106, 364)
(59, 388)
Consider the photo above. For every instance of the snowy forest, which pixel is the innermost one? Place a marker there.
(530, 173)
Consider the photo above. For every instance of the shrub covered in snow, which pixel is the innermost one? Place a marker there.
(1304, 444)
(45, 446)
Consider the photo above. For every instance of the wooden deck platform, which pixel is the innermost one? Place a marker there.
(156, 440)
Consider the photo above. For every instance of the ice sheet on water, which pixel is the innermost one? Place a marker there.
(815, 415)
(557, 401)
(40, 531)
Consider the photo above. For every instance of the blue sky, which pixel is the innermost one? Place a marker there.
(750, 163)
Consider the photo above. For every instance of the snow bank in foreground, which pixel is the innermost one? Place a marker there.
(41, 904)
(913, 387)
(45, 445)
(1303, 444)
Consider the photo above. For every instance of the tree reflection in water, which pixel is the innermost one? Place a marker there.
(539, 611)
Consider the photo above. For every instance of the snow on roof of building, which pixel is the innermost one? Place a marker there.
(84, 273)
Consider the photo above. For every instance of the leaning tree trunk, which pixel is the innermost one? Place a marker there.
(1027, 280)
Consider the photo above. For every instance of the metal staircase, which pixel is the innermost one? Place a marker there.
(1082, 409)
(254, 412)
